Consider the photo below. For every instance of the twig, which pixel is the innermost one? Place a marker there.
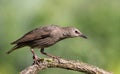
(64, 64)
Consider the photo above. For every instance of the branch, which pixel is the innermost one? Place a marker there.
(64, 64)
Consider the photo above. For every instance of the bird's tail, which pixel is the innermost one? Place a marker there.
(14, 48)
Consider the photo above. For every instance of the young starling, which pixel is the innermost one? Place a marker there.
(44, 37)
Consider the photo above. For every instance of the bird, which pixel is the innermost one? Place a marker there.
(44, 37)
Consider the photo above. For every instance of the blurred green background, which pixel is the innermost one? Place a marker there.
(98, 19)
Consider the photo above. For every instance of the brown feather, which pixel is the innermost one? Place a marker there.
(32, 35)
(15, 47)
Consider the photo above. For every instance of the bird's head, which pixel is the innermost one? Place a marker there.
(74, 32)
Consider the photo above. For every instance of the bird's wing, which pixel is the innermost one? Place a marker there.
(35, 34)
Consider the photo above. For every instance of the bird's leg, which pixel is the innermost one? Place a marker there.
(35, 57)
(49, 55)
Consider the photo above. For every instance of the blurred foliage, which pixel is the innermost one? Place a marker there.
(98, 19)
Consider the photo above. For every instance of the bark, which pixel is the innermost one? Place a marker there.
(64, 64)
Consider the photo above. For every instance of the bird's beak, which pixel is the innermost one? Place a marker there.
(83, 36)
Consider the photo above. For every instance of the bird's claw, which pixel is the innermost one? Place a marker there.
(56, 57)
(36, 60)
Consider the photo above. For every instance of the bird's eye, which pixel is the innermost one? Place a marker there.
(76, 32)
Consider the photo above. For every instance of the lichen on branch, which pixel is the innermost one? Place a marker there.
(64, 64)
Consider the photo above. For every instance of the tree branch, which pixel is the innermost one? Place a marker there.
(64, 64)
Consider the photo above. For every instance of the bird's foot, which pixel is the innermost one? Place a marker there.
(49, 55)
(36, 60)
(56, 57)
